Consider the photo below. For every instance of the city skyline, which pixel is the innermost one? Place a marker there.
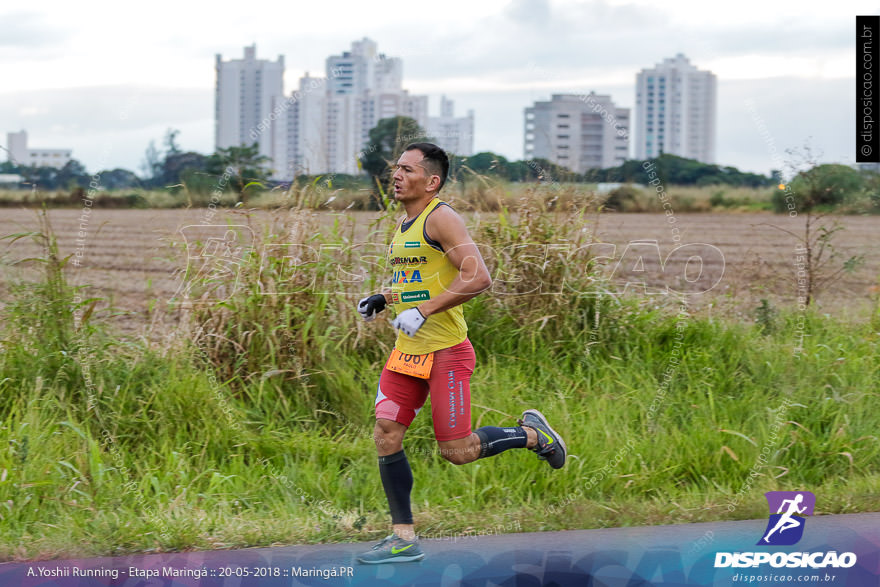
(782, 74)
(325, 124)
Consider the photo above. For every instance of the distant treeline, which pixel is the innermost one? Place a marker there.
(175, 170)
(672, 169)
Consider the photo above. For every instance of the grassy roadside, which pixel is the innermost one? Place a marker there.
(255, 428)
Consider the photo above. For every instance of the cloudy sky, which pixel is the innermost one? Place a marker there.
(105, 78)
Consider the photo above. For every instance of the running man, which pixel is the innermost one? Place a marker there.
(787, 520)
(436, 268)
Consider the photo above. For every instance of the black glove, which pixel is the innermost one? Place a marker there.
(370, 306)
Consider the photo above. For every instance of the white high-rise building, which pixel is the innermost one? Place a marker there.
(362, 87)
(343, 133)
(579, 132)
(16, 147)
(307, 138)
(389, 74)
(353, 72)
(676, 111)
(249, 107)
(455, 135)
(19, 153)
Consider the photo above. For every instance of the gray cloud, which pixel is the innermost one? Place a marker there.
(529, 13)
(595, 38)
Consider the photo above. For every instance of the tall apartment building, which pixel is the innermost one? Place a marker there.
(324, 125)
(676, 111)
(249, 107)
(19, 153)
(579, 132)
(353, 78)
(362, 86)
(306, 133)
(454, 134)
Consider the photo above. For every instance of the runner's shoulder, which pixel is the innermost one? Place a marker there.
(444, 212)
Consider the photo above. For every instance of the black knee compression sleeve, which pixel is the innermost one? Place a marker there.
(494, 440)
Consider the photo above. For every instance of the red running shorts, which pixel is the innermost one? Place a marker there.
(400, 397)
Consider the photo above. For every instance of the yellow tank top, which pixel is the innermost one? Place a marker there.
(420, 272)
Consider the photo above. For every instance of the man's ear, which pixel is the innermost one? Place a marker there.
(434, 183)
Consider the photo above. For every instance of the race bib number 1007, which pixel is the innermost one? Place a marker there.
(413, 365)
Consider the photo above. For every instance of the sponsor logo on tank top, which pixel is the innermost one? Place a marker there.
(415, 296)
(413, 276)
(408, 261)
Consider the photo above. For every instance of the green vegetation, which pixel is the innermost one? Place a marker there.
(470, 189)
(173, 178)
(340, 192)
(387, 140)
(252, 426)
(674, 170)
(821, 187)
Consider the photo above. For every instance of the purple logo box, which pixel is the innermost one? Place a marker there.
(788, 511)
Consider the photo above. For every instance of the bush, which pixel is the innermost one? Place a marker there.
(824, 186)
(623, 199)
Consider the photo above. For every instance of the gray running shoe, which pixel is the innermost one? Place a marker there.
(550, 447)
(393, 549)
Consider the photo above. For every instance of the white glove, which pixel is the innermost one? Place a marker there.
(370, 306)
(409, 321)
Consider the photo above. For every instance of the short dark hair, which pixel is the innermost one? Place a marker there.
(435, 158)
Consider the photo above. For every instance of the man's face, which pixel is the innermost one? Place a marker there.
(411, 178)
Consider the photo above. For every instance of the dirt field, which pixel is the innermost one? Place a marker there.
(126, 255)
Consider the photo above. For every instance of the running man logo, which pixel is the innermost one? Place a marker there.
(786, 526)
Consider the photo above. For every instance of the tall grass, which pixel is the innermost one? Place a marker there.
(254, 426)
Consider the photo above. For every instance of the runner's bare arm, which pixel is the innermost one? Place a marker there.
(446, 227)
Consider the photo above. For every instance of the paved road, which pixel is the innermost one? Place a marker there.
(630, 557)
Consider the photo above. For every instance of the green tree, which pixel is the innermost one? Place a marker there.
(247, 167)
(42, 177)
(72, 175)
(171, 146)
(821, 186)
(680, 171)
(488, 163)
(117, 179)
(871, 181)
(151, 166)
(387, 141)
(178, 166)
